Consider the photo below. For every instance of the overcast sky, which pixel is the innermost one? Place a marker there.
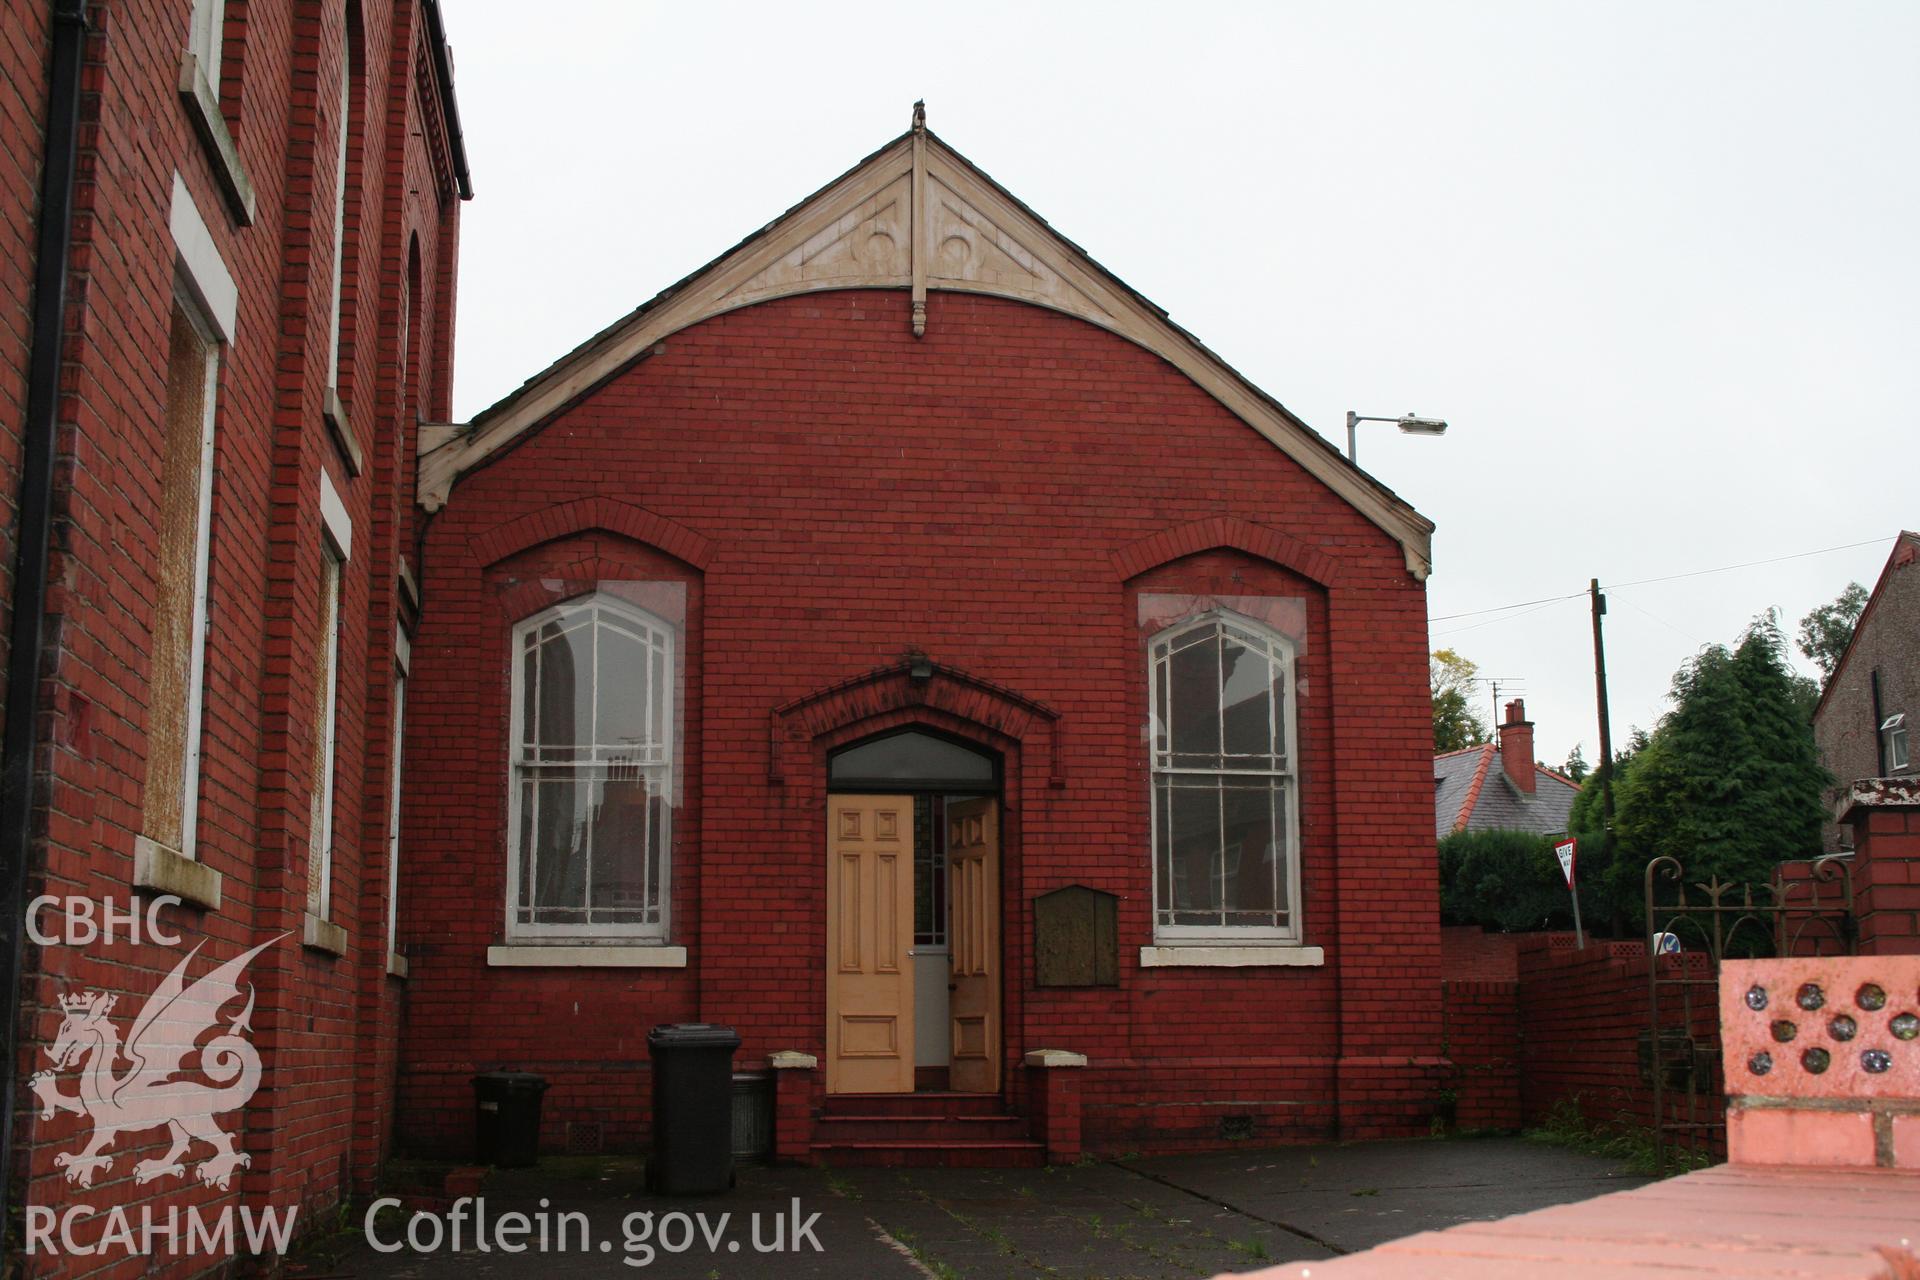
(1656, 263)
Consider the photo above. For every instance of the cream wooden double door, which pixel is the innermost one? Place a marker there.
(870, 992)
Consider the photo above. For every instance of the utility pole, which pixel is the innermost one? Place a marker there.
(1605, 771)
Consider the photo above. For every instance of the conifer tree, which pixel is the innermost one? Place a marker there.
(1729, 784)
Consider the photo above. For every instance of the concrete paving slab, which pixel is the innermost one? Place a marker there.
(1357, 1196)
(1158, 1219)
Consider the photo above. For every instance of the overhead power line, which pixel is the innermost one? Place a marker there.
(1642, 582)
(1537, 607)
(1750, 564)
(1503, 608)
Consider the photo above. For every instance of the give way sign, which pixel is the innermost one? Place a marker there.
(1565, 851)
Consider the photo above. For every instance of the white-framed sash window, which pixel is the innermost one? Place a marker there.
(592, 752)
(1225, 799)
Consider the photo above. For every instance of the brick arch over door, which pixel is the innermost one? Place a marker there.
(1027, 735)
(889, 697)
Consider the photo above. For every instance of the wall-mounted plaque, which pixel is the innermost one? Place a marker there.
(1075, 941)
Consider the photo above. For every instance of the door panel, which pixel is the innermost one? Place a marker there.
(869, 924)
(973, 940)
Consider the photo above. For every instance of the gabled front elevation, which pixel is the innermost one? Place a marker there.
(915, 216)
(902, 643)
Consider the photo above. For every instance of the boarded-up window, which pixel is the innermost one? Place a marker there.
(326, 687)
(393, 812)
(178, 647)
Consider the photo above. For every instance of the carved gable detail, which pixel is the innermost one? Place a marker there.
(971, 249)
(869, 245)
(914, 216)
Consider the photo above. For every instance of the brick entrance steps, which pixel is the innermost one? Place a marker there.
(923, 1130)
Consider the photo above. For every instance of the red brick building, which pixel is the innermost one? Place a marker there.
(901, 642)
(231, 235)
(1868, 713)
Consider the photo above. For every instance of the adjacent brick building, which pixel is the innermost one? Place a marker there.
(902, 643)
(259, 297)
(1869, 712)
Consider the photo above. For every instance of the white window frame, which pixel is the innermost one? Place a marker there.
(336, 549)
(204, 36)
(1281, 651)
(402, 670)
(204, 294)
(666, 690)
(195, 716)
(340, 208)
(1893, 733)
(320, 839)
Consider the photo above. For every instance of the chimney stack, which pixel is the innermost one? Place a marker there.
(1516, 747)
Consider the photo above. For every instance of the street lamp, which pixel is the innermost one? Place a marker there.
(1411, 423)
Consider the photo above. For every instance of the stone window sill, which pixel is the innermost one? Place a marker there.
(203, 108)
(397, 966)
(323, 935)
(169, 871)
(586, 956)
(1219, 957)
(341, 430)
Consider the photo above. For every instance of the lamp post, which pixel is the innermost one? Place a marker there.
(1411, 423)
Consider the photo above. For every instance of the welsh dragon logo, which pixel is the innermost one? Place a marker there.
(150, 1093)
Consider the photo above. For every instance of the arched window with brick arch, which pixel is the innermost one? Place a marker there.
(593, 758)
(1224, 799)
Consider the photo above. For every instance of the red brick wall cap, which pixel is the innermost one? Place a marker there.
(1877, 793)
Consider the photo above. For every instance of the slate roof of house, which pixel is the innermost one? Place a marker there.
(1471, 792)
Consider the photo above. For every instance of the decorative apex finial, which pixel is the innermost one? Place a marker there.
(920, 116)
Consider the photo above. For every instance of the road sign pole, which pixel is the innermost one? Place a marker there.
(1579, 934)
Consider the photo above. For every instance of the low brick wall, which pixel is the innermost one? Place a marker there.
(1582, 1015)
(1469, 953)
(1483, 1041)
(1532, 1021)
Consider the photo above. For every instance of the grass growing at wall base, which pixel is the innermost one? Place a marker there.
(1566, 1125)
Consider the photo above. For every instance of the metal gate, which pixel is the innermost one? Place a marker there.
(1691, 928)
